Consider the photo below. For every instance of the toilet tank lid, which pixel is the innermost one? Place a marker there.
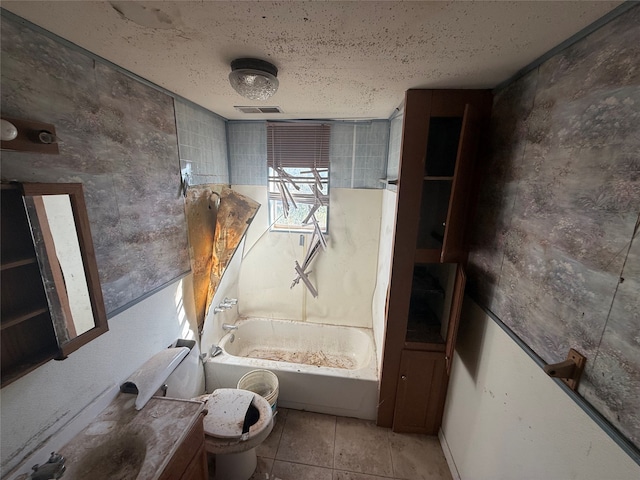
(153, 373)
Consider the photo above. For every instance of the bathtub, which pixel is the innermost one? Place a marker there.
(320, 368)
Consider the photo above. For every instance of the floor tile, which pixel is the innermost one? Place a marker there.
(418, 457)
(263, 469)
(296, 471)
(308, 438)
(269, 447)
(339, 475)
(362, 447)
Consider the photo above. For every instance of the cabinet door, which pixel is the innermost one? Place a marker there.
(189, 461)
(421, 392)
(197, 469)
(453, 247)
(454, 315)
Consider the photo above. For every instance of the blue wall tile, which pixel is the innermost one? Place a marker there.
(202, 144)
(395, 142)
(248, 152)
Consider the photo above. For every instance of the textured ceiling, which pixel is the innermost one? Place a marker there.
(335, 59)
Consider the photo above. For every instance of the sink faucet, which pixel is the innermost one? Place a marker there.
(228, 327)
(53, 469)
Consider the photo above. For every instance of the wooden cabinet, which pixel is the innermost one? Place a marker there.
(51, 298)
(190, 460)
(437, 184)
(27, 333)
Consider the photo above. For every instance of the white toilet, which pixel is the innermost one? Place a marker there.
(228, 412)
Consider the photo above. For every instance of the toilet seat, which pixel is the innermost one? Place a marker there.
(227, 408)
(224, 420)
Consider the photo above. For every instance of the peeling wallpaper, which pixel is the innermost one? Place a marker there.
(117, 138)
(553, 248)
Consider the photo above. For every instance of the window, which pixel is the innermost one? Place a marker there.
(298, 161)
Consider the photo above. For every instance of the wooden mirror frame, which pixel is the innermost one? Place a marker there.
(85, 241)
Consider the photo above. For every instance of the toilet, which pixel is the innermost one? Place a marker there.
(235, 458)
(228, 412)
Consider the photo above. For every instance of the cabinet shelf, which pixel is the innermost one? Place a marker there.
(426, 255)
(36, 359)
(424, 346)
(436, 178)
(424, 334)
(22, 317)
(17, 263)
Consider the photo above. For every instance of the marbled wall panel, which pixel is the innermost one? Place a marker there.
(558, 209)
(118, 138)
(618, 358)
(139, 140)
(511, 111)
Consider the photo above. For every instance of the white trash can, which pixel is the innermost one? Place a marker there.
(264, 383)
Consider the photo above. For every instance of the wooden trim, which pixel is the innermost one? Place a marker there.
(451, 103)
(409, 196)
(454, 241)
(454, 315)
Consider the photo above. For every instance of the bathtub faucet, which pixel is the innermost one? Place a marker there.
(230, 301)
(228, 327)
(226, 304)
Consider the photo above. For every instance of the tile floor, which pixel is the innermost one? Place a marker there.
(313, 446)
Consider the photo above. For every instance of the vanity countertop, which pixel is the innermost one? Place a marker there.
(124, 443)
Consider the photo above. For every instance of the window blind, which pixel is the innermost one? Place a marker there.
(298, 145)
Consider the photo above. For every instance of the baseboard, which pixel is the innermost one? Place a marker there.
(448, 456)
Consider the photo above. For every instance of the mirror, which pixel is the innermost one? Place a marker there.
(60, 230)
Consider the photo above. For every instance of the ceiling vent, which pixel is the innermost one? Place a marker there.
(259, 109)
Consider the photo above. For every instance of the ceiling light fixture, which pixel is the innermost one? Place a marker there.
(254, 79)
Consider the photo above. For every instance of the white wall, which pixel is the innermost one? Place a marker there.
(385, 252)
(37, 405)
(345, 275)
(506, 419)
